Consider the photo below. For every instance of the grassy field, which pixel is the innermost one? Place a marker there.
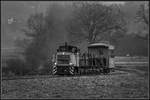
(125, 82)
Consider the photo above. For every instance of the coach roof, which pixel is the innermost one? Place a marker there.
(98, 45)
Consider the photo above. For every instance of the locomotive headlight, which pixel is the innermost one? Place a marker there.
(55, 63)
(70, 63)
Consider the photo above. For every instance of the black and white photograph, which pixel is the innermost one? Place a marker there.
(74, 49)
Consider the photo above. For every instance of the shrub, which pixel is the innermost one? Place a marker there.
(46, 70)
(6, 72)
(17, 66)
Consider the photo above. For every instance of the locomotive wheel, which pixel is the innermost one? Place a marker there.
(76, 71)
(106, 70)
(80, 71)
(100, 71)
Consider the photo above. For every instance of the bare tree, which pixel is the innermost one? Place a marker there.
(142, 18)
(143, 13)
(91, 20)
(35, 32)
(41, 32)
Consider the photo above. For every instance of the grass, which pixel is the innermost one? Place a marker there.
(119, 84)
(126, 82)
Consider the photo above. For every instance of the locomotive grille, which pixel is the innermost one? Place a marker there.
(63, 59)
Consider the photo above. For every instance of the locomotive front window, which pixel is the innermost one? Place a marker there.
(63, 59)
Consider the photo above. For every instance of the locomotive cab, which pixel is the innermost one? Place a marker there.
(66, 59)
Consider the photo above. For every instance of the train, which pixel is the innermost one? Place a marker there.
(69, 61)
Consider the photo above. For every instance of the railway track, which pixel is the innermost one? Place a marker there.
(41, 77)
(60, 76)
(29, 77)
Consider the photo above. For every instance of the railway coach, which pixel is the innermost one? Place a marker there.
(69, 61)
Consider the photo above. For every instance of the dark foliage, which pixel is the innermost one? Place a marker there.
(16, 66)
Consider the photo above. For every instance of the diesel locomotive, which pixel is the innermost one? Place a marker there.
(69, 61)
